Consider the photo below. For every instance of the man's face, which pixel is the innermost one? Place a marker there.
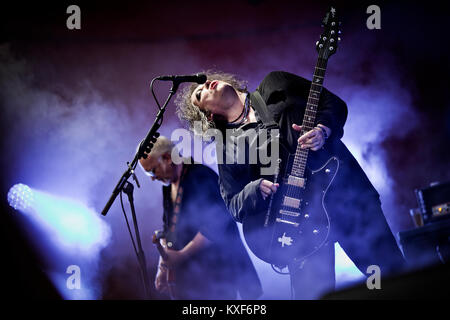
(159, 168)
(214, 96)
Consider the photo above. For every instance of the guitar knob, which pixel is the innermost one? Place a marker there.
(315, 232)
(331, 40)
(339, 39)
(324, 38)
(320, 46)
(331, 48)
(327, 170)
(306, 216)
(332, 32)
(170, 244)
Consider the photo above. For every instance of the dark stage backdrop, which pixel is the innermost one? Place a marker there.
(75, 103)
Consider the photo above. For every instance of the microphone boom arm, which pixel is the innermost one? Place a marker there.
(151, 135)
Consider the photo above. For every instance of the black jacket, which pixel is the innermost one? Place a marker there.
(285, 96)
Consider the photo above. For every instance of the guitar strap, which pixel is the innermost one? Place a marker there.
(263, 112)
(266, 116)
(172, 210)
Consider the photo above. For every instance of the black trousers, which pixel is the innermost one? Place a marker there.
(360, 228)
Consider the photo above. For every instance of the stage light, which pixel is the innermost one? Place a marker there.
(77, 232)
(20, 197)
(69, 223)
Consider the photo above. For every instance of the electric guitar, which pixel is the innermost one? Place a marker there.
(157, 236)
(296, 223)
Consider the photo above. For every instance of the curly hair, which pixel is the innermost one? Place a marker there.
(189, 113)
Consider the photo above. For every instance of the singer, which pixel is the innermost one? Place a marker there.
(203, 245)
(357, 220)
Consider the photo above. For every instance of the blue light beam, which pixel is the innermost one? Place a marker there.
(69, 224)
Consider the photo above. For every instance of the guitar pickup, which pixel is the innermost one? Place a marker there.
(296, 181)
(291, 202)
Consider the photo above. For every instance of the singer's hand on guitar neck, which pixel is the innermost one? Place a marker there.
(313, 139)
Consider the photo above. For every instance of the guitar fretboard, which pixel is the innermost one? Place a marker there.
(309, 118)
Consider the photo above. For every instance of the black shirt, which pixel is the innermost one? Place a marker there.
(224, 267)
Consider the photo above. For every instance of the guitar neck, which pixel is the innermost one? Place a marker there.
(159, 247)
(161, 251)
(309, 118)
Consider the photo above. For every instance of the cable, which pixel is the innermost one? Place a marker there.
(292, 287)
(290, 278)
(154, 95)
(279, 272)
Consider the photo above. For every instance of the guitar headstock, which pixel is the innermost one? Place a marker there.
(329, 39)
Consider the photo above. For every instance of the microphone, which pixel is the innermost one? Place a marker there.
(198, 78)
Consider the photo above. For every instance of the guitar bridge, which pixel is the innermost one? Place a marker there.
(290, 213)
(295, 224)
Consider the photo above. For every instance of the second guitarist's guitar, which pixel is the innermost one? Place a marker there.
(170, 279)
(296, 223)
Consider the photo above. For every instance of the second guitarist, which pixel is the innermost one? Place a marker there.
(203, 249)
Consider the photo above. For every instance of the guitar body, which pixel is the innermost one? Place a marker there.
(296, 224)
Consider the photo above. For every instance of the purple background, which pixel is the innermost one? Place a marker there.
(75, 103)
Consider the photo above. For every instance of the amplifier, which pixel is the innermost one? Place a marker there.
(434, 201)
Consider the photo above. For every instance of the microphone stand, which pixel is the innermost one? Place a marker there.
(123, 184)
(128, 189)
